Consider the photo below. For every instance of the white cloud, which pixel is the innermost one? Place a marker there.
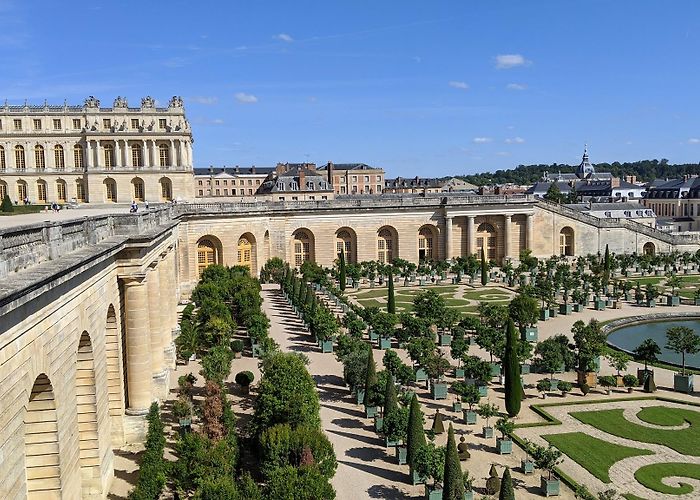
(458, 85)
(200, 99)
(246, 98)
(693, 140)
(516, 86)
(515, 140)
(284, 37)
(507, 61)
(481, 140)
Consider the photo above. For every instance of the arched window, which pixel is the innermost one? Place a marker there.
(20, 162)
(343, 243)
(21, 191)
(136, 155)
(59, 158)
(166, 189)
(245, 252)
(41, 191)
(649, 248)
(385, 246)
(207, 255)
(41, 445)
(109, 156)
(486, 239)
(425, 244)
(3, 165)
(39, 157)
(61, 190)
(78, 157)
(566, 242)
(110, 190)
(302, 248)
(164, 155)
(3, 190)
(80, 190)
(86, 409)
(138, 188)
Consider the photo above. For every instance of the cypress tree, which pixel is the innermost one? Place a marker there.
(453, 486)
(370, 378)
(606, 269)
(296, 284)
(390, 401)
(416, 435)
(484, 268)
(342, 272)
(303, 293)
(511, 366)
(506, 492)
(391, 300)
(310, 296)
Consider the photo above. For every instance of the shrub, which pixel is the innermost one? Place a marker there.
(607, 381)
(303, 483)
(585, 388)
(153, 468)
(630, 380)
(281, 445)
(237, 346)
(564, 386)
(245, 378)
(216, 364)
(6, 204)
(544, 385)
(429, 462)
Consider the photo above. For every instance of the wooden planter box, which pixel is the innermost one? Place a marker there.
(469, 495)
(530, 334)
(373, 336)
(421, 376)
(599, 305)
(326, 346)
(384, 343)
(469, 417)
(683, 383)
(438, 390)
(459, 372)
(651, 303)
(370, 411)
(589, 378)
(401, 452)
(359, 396)
(642, 375)
(495, 369)
(255, 350)
(483, 390)
(488, 432)
(504, 446)
(445, 340)
(697, 301)
(390, 444)
(415, 477)
(553, 312)
(527, 466)
(432, 493)
(378, 423)
(525, 368)
(565, 309)
(544, 314)
(673, 300)
(456, 406)
(579, 308)
(550, 487)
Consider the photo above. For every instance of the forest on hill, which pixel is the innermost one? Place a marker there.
(645, 170)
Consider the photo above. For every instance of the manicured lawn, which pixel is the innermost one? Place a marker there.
(487, 295)
(651, 475)
(662, 415)
(613, 422)
(372, 293)
(593, 454)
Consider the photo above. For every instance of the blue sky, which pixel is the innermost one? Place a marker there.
(419, 88)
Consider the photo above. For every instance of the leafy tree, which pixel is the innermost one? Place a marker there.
(469, 393)
(429, 306)
(488, 411)
(524, 311)
(511, 365)
(280, 445)
(216, 364)
(384, 324)
(682, 340)
(590, 343)
(416, 435)
(342, 271)
(395, 425)
(391, 300)
(429, 462)
(648, 352)
(298, 483)
(484, 268)
(554, 194)
(420, 349)
(550, 355)
(507, 492)
(453, 488)
(492, 340)
(673, 281)
(545, 458)
(6, 205)
(618, 360)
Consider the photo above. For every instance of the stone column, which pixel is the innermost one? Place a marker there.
(448, 237)
(173, 158)
(117, 153)
(155, 304)
(508, 247)
(97, 154)
(138, 345)
(88, 153)
(470, 234)
(144, 150)
(188, 154)
(530, 230)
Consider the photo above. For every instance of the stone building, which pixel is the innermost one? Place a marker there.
(354, 178)
(420, 185)
(676, 203)
(296, 182)
(233, 182)
(96, 154)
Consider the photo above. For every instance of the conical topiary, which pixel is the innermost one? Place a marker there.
(342, 280)
(390, 400)
(7, 204)
(391, 300)
(438, 425)
(493, 483)
(416, 435)
(506, 492)
(370, 378)
(484, 268)
(453, 485)
(511, 365)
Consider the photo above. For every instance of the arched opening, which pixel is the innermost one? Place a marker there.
(3, 190)
(649, 248)
(486, 240)
(110, 190)
(87, 413)
(138, 189)
(61, 190)
(166, 189)
(346, 240)
(426, 244)
(41, 191)
(302, 246)
(116, 385)
(246, 252)
(387, 244)
(208, 253)
(566, 241)
(41, 455)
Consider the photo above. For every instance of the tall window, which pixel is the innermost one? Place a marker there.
(78, 157)
(385, 246)
(39, 158)
(343, 243)
(3, 190)
(59, 158)
(20, 163)
(166, 189)
(302, 248)
(3, 165)
(486, 240)
(80, 190)
(21, 191)
(136, 155)
(566, 241)
(111, 190)
(245, 252)
(41, 191)
(206, 255)
(164, 155)
(138, 189)
(425, 244)
(61, 190)
(109, 156)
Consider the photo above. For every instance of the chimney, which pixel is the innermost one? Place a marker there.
(330, 173)
(280, 168)
(252, 169)
(302, 179)
(615, 182)
(238, 169)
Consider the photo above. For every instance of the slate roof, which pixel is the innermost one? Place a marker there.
(233, 170)
(288, 181)
(349, 166)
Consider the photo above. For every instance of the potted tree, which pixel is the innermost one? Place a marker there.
(470, 395)
(395, 428)
(630, 382)
(182, 411)
(546, 459)
(651, 293)
(468, 486)
(458, 348)
(237, 348)
(673, 282)
(578, 296)
(419, 349)
(607, 382)
(550, 358)
(504, 444)
(589, 342)
(429, 463)
(523, 309)
(487, 411)
(565, 387)
(477, 372)
(648, 352)
(244, 379)
(696, 297)
(618, 360)
(682, 340)
(544, 386)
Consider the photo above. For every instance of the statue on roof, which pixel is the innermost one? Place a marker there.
(175, 102)
(148, 102)
(92, 102)
(120, 102)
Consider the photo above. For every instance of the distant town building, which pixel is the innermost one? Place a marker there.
(419, 185)
(231, 182)
(676, 203)
(296, 182)
(620, 210)
(354, 178)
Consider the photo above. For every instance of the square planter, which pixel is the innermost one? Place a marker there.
(599, 305)
(438, 390)
(378, 423)
(488, 432)
(472, 339)
(456, 406)
(445, 340)
(579, 308)
(326, 346)
(565, 309)
(495, 369)
(697, 301)
(527, 466)
(469, 417)
(390, 444)
(589, 378)
(421, 376)
(673, 300)
(401, 452)
(628, 296)
(432, 493)
(255, 350)
(384, 343)
(373, 336)
(415, 477)
(553, 312)
(370, 411)
(550, 487)
(651, 303)
(683, 383)
(642, 375)
(544, 314)
(483, 390)
(469, 495)
(504, 446)
(525, 368)
(530, 334)
(359, 396)
(554, 384)
(459, 372)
